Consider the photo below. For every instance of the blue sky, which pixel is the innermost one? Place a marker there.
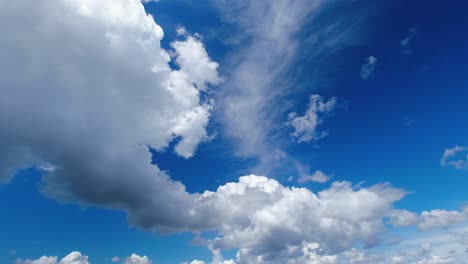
(349, 117)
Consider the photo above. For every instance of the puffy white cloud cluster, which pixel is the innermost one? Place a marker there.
(96, 87)
(306, 126)
(272, 223)
(456, 157)
(85, 88)
(74, 257)
(135, 259)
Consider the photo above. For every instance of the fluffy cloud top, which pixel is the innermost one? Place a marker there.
(135, 259)
(105, 87)
(74, 257)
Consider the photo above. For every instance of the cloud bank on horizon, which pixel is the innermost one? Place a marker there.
(87, 88)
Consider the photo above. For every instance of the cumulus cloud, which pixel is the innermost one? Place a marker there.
(85, 108)
(135, 259)
(456, 157)
(306, 126)
(104, 87)
(442, 218)
(367, 70)
(74, 257)
(276, 222)
(217, 258)
(428, 220)
(317, 176)
(403, 218)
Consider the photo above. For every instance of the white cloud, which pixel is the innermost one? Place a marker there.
(135, 259)
(195, 62)
(403, 218)
(74, 257)
(266, 50)
(95, 99)
(367, 70)
(442, 218)
(317, 176)
(406, 42)
(428, 220)
(270, 222)
(106, 86)
(306, 126)
(456, 157)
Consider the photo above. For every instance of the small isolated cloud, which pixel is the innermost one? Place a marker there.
(456, 157)
(74, 257)
(408, 121)
(115, 259)
(135, 259)
(317, 176)
(406, 42)
(305, 127)
(367, 70)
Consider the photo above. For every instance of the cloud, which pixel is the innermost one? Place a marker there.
(367, 70)
(74, 257)
(85, 109)
(135, 259)
(456, 157)
(442, 218)
(428, 220)
(260, 68)
(317, 176)
(406, 42)
(305, 127)
(408, 121)
(272, 222)
(104, 88)
(403, 218)
(217, 258)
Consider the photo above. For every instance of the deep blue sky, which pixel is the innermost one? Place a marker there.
(394, 128)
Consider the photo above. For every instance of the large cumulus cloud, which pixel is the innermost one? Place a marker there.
(90, 79)
(85, 88)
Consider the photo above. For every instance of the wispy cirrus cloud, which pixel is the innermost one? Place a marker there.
(406, 43)
(367, 70)
(261, 69)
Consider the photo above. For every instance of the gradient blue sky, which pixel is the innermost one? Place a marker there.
(391, 127)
